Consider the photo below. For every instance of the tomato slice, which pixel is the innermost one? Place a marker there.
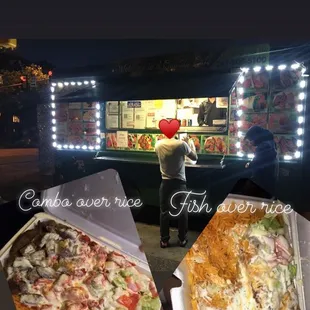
(130, 302)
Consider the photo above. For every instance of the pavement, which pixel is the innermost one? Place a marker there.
(19, 170)
(163, 262)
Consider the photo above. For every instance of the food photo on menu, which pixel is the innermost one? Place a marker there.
(89, 115)
(283, 122)
(111, 142)
(255, 80)
(215, 144)
(256, 102)
(146, 142)
(242, 260)
(58, 261)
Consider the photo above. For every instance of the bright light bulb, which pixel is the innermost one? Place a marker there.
(287, 157)
(60, 85)
(98, 123)
(300, 108)
(269, 68)
(53, 121)
(238, 145)
(251, 156)
(84, 147)
(98, 106)
(295, 66)
(98, 140)
(239, 112)
(65, 146)
(297, 154)
(66, 84)
(239, 124)
(97, 147)
(53, 97)
(54, 84)
(302, 84)
(303, 70)
(54, 137)
(71, 146)
(72, 83)
(245, 69)
(53, 113)
(53, 128)
(240, 101)
(98, 131)
(53, 105)
(54, 144)
(300, 119)
(241, 79)
(79, 83)
(94, 86)
(301, 96)
(299, 143)
(282, 67)
(59, 146)
(240, 90)
(240, 154)
(86, 82)
(239, 134)
(77, 147)
(92, 82)
(257, 69)
(97, 115)
(300, 131)
(52, 89)
(91, 147)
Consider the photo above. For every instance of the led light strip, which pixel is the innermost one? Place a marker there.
(54, 124)
(300, 107)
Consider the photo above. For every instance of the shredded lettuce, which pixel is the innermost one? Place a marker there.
(149, 303)
(271, 224)
(292, 268)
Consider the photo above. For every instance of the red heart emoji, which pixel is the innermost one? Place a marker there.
(169, 128)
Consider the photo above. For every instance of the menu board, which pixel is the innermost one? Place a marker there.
(76, 123)
(127, 116)
(270, 100)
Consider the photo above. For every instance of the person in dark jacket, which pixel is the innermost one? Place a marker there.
(264, 167)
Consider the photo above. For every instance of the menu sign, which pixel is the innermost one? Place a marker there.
(134, 104)
(122, 139)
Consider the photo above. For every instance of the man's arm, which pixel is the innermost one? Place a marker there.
(190, 152)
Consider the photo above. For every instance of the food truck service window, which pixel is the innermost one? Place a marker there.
(75, 125)
(134, 125)
(274, 98)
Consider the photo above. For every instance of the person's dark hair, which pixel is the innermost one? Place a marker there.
(258, 135)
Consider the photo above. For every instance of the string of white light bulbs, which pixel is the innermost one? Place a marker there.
(59, 146)
(300, 107)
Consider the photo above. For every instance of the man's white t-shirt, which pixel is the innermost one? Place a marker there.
(171, 154)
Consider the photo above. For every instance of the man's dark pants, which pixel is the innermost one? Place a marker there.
(167, 189)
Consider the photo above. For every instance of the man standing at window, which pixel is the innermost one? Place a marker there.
(171, 154)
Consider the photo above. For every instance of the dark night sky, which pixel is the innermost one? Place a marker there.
(76, 53)
(72, 53)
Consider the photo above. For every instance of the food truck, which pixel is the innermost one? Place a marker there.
(98, 123)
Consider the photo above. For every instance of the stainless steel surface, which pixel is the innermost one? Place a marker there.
(154, 161)
(298, 234)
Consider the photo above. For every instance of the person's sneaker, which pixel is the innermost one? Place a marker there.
(183, 243)
(164, 244)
